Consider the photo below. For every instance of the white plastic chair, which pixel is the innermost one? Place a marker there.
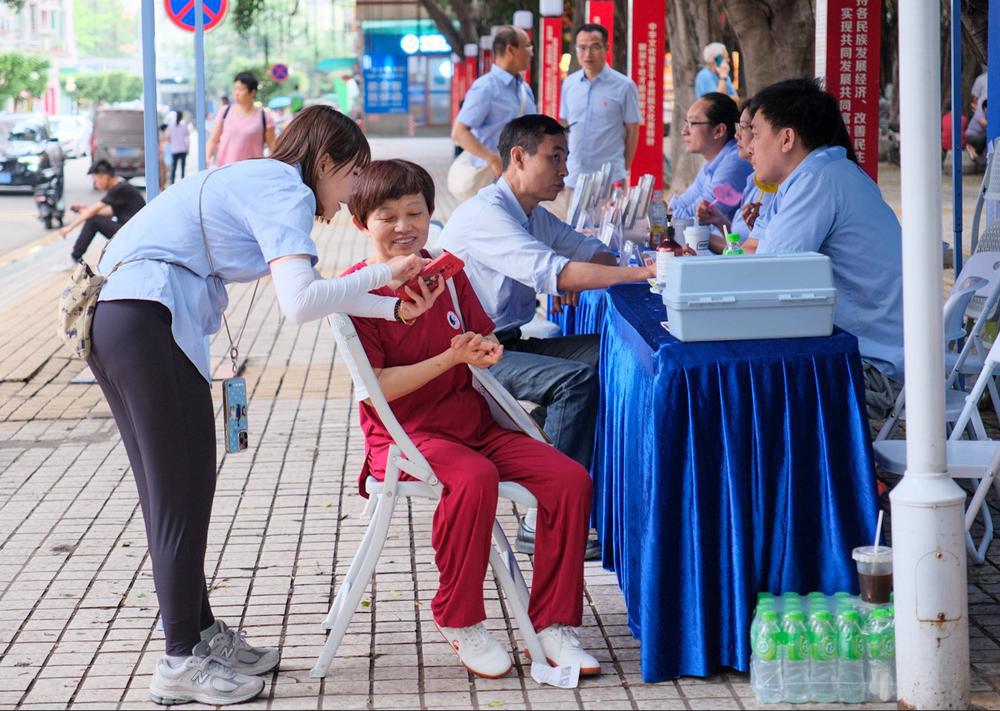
(982, 268)
(976, 460)
(954, 329)
(404, 457)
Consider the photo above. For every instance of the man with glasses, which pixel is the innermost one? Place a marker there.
(601, 108)
(710, 130)
(491, 102)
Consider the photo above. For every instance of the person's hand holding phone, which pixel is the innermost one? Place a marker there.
(723, 67)
(472, 349)
(405, 268)
(421, 301)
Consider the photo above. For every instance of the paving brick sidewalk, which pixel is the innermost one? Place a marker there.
(77, 605)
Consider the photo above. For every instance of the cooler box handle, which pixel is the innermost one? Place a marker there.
(709, 301)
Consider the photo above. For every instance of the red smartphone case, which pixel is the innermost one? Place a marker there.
(446, 265)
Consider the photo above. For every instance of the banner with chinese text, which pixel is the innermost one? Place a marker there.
(602, 12)
(647, 44)
(548, 77)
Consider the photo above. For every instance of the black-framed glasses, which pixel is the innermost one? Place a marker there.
(689, 123)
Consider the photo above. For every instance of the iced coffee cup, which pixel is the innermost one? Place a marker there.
(874, 573)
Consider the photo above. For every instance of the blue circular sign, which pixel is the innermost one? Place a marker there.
(181, 13)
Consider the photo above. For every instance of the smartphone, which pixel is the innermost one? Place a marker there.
(444, 266)
(234, 407)
(719, 60)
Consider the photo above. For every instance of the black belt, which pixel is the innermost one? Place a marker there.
(508, 336)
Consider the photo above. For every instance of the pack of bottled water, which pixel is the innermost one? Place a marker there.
(821, 648)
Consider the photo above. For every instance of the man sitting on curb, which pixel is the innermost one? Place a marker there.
(119, 205)
(513, 249)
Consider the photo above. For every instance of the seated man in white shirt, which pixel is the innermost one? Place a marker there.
(513, 249)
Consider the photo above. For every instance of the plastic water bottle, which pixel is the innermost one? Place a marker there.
(795, 655)
(823, 646)
(765, 668)
(850, 656)
(880, 642)
(733, 244)
(818, 601)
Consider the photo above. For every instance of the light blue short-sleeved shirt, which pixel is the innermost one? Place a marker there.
(597, 111)
(254, 211)
(706, 81)
(752, 193)
(829, 205)
(510, 256)
(728, 168)
(491, 102)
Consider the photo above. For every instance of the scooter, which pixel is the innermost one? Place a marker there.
(48, 194)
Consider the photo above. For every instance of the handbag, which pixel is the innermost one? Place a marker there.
(77, 305)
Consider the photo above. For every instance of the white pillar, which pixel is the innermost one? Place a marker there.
(928, 528)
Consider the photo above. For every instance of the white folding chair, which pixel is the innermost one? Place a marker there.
(954, 329)
(976, 460)
(406, 458)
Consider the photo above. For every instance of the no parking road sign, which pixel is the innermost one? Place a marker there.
(181, 13)
(279, 72)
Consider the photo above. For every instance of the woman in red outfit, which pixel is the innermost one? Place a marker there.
(421, 370)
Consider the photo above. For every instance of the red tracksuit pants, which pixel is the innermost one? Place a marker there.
(463, 524)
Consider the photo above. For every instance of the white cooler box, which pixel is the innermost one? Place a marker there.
(741, 297)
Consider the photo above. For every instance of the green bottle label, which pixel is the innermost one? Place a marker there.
(851, 643)
(823, 638)
(882, 645)
(765, 646)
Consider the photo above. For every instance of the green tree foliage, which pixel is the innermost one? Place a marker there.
(22, 73)
(106, 28)
(15, 5)
(107, 87)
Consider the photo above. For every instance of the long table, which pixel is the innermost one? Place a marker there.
(720, 470)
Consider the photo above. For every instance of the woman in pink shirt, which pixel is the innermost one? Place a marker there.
(242, 130)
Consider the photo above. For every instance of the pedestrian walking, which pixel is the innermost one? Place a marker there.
(243, 130)
(120, 204)
(164, 296)
(179, 137)
(491, 102)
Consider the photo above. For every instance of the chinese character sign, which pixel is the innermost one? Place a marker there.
(386, 86)
(551, 53)
(647, 33)
(853, 33)
(602, 12)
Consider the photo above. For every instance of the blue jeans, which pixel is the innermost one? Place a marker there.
(560, 374)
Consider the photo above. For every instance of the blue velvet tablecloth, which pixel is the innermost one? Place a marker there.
(585, 317)
(720, 470)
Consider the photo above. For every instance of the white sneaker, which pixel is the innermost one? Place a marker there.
(203, 679)
(562, 647)
(479, 650)
(231, 647)
(66, 265)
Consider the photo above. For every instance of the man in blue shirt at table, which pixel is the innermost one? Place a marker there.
(601, 108)
(493, 99)
(710, 131)
(513, 249)
(826, 203)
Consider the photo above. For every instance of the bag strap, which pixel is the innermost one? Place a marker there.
(234, 351)
(263, 126)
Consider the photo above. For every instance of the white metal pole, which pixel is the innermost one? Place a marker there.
(199, 80)
(928, 528)
(151, 119)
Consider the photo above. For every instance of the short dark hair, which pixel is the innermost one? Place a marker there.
(102, 167)
(386, 180)
(803, 105)
(505, 37)
(180, 115)
(319, 130)
(527, 132)
(592, 27)
(722, 110)
(247, 79)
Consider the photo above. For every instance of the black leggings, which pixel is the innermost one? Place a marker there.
(163, 408)
(178, 158)
(98, 223)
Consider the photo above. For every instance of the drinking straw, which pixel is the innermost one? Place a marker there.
(878, 527)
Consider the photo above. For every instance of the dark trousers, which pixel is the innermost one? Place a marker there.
(163, 408)
(560, 374)
(178, 158)
(98, 223)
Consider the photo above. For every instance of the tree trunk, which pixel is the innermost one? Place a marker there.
(778, 39)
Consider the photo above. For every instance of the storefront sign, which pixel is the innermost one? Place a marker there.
(602, 12)
(848, 38)
(548, 77)
(647, 43)
(386, 84)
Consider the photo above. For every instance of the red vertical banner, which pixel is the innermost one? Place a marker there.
(526, 21)
(485, 54)
(647, 44)
(527, 72)
(848, 45)
(548, 78)
(602, 12)
(458, 85)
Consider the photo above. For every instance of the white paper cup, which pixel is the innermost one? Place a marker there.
(696, 237)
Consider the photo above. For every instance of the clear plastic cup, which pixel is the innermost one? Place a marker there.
(874, 573)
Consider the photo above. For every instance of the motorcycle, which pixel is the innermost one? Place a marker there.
(48, 194)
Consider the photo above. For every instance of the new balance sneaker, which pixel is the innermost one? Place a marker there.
(562, 647)
(231, 647)
(204, 679)
(525, 542)
(479, 650)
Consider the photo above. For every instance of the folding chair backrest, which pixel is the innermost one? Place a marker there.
(362, 374)
(955, 306)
